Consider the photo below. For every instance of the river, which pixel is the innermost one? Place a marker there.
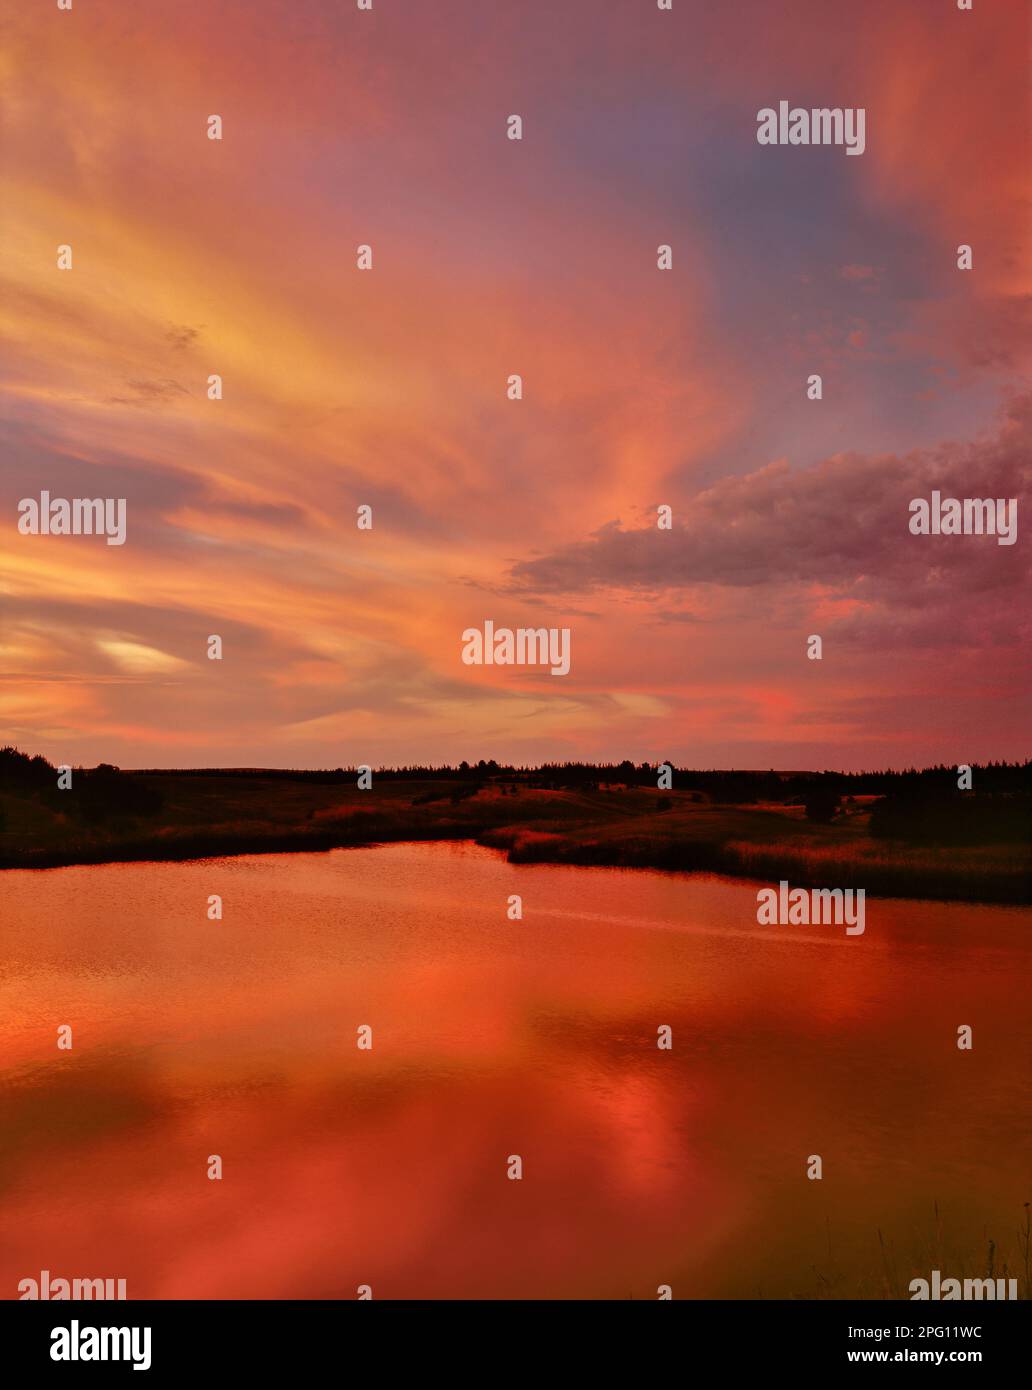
(492, 1038)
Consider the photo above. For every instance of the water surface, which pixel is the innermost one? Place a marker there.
(491, 1038)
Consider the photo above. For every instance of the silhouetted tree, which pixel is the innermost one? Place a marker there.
(821, 803)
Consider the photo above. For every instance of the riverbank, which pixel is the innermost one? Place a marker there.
(628, 827)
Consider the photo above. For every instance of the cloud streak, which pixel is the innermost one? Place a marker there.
(388, 389)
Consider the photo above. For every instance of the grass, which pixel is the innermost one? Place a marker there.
(889, 1275)
(203, 817)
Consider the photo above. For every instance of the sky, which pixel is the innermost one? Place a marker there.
(387, 387)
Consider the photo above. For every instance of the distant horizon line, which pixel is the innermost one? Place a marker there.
(493, 767)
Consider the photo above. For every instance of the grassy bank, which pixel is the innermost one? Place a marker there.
(634, 827)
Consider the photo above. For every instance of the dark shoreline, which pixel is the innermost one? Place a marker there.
(965, 849)
(728, 860)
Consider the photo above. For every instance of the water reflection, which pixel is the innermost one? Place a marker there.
(388, 1167)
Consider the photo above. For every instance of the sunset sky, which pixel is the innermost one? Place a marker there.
(641, 387)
